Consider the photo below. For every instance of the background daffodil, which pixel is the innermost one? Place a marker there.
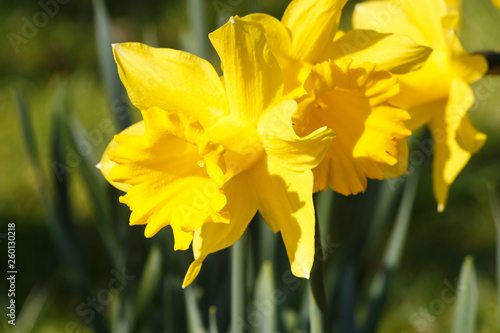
(343, 81)
(212, 152)
(438, 95)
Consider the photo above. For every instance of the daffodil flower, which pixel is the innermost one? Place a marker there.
(211, 152)
(344, 81)
(438, 95)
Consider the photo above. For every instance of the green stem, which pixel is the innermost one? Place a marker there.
(495, 209)
(317, 299)
(238, 284)
(394, 250)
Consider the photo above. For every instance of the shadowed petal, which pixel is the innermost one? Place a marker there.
(241, 205)
(459, 140)
(285, 203)
(285, 147)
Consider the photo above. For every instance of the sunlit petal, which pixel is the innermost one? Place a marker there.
(313, 25)
(166, 171)
(353, 101)
(105, 165)
(419, 20)
(172, 80)
(360, 46)
(285, 147)
(251, 73)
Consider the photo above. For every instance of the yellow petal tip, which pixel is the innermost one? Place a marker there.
(231, 19)
(98, 166)
(440, 208)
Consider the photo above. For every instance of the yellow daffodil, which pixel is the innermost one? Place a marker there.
(212, 152)
(496, 3)
(343, 81)
(438, 95)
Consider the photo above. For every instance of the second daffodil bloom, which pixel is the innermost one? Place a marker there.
(438, 95)
(211, 152)
(343, 81)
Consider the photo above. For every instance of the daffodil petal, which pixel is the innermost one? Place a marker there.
(241, 206)
(395, 53)
(419, 20)
(172, 80)
(278, 37)
(468, 137)
(353, 101)
(454, 4)
(449, 157)
(284, 146)
(169, 182)
(251, 73)
(470, 67)
(429, 84)
(401, 167)
(313, 25)
(285, 203)
(421, 115)
(105, 165)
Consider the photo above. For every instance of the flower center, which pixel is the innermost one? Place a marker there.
(242, 142)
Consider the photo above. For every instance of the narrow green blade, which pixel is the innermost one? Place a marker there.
(150, 280)
(197, 19)
(97, 187)
(61, 237)
(238, 283)
(394, 250)
(212, 320)
(464, 318)
(264, 302)
(318, 308)
(495, 210)
(107, 65)
(195, 321)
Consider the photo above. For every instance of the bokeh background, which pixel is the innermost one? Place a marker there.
(64, 257)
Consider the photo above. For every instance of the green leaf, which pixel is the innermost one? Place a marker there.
(97, 188)
(107, 65)
(324, 209)
(197, 19)
(318, 309)
(238, 283)
(195, 321)
(33, 308)
(60, 233)
(212, 320)
(264, 299)
(495, 210)
(464, 318)
(394, 250)
(150, 280)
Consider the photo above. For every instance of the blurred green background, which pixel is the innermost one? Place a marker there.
(60, 59)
